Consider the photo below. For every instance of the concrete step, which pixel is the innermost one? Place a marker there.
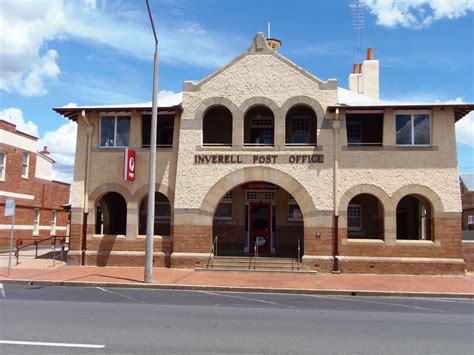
(241, 263)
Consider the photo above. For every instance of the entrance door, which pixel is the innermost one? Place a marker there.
(260, 229)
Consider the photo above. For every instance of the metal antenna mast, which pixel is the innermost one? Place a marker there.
(358, 8)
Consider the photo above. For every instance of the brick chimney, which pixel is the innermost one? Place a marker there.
(45, 150)
(364, 78)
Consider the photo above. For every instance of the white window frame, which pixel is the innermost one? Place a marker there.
(359, 227)
(292, 201)
(3, 166)
(27, 154)
(54, 216)
(115, 116)
(412, 114)
(227, 199)
(36, 221)
(470, 219)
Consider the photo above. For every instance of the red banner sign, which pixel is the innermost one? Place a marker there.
(129, 165)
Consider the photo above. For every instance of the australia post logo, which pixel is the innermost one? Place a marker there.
(129, 165)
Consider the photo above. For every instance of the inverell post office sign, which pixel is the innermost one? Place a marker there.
(258, 159)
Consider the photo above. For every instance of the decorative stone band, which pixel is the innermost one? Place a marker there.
(383, 259)
(114, 253)
(191, 255)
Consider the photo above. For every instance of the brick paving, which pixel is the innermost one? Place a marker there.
(447, 285)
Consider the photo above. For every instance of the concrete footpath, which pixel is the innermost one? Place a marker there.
(366, 284)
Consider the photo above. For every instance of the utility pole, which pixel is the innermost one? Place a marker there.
(150, 220)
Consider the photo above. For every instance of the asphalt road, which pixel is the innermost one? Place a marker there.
(146, 321)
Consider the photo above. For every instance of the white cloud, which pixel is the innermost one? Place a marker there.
(71, 104)
(15, 115)
(465, 130)
(165, 93)
(417, 13)
(61, 144)
(27, 27)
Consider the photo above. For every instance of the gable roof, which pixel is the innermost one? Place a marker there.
(167, 104)
(468, 181)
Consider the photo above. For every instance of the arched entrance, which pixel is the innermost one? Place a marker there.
(111, 214)
(258, 217)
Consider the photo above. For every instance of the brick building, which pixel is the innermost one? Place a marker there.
(467, 197)
(262, 153)
(26, 176)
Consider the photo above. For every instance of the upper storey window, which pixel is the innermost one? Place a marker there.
(3, 158)
(164, 130)
(259, 126)
(301, 126)
(25, 165)
(413, 128)
(217, 126)
(114, 131)
(364, 129)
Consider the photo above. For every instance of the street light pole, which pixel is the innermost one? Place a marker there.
(150, 220)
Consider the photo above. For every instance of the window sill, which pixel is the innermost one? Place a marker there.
(404, 148)
(304, 147)
(156, 236)
(416, 242)
(365, 241)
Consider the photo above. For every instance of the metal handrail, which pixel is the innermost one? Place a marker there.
(36, 242)
(213, 249)
(299, 253)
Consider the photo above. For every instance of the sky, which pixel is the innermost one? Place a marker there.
(93, 52)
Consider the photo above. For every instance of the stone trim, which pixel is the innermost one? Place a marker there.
(189, 255)
(263, 101)
(164, 189)
(374, 190)
(424, 191)
(260, 173)
(387, 259)
(389, 148)
(103, 189)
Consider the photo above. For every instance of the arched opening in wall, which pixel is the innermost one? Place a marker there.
(414, 218)
(162, 225)
(259, 126)
(300, 126)
(258, 214)
(111, 214)
(217, 126)
(365, 218)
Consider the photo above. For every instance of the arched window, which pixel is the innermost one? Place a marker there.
(259, 126)
(414, 218)
(162, 215)
(300, 126)
(217, 126)
(111, 214)
(365, 218)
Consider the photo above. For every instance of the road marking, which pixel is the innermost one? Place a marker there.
(245, 298)
(2, 291)
(64, 345)
(118, 294)
(375, 302)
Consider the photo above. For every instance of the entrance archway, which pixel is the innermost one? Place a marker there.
(111, 214)
(258, 218)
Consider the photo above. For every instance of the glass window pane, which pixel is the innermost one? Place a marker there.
(294, 211)
(162, 209)
(260, 217)
(107, 128)
(224, 210)
(403, 129)
(422, 129)
(123, 131)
